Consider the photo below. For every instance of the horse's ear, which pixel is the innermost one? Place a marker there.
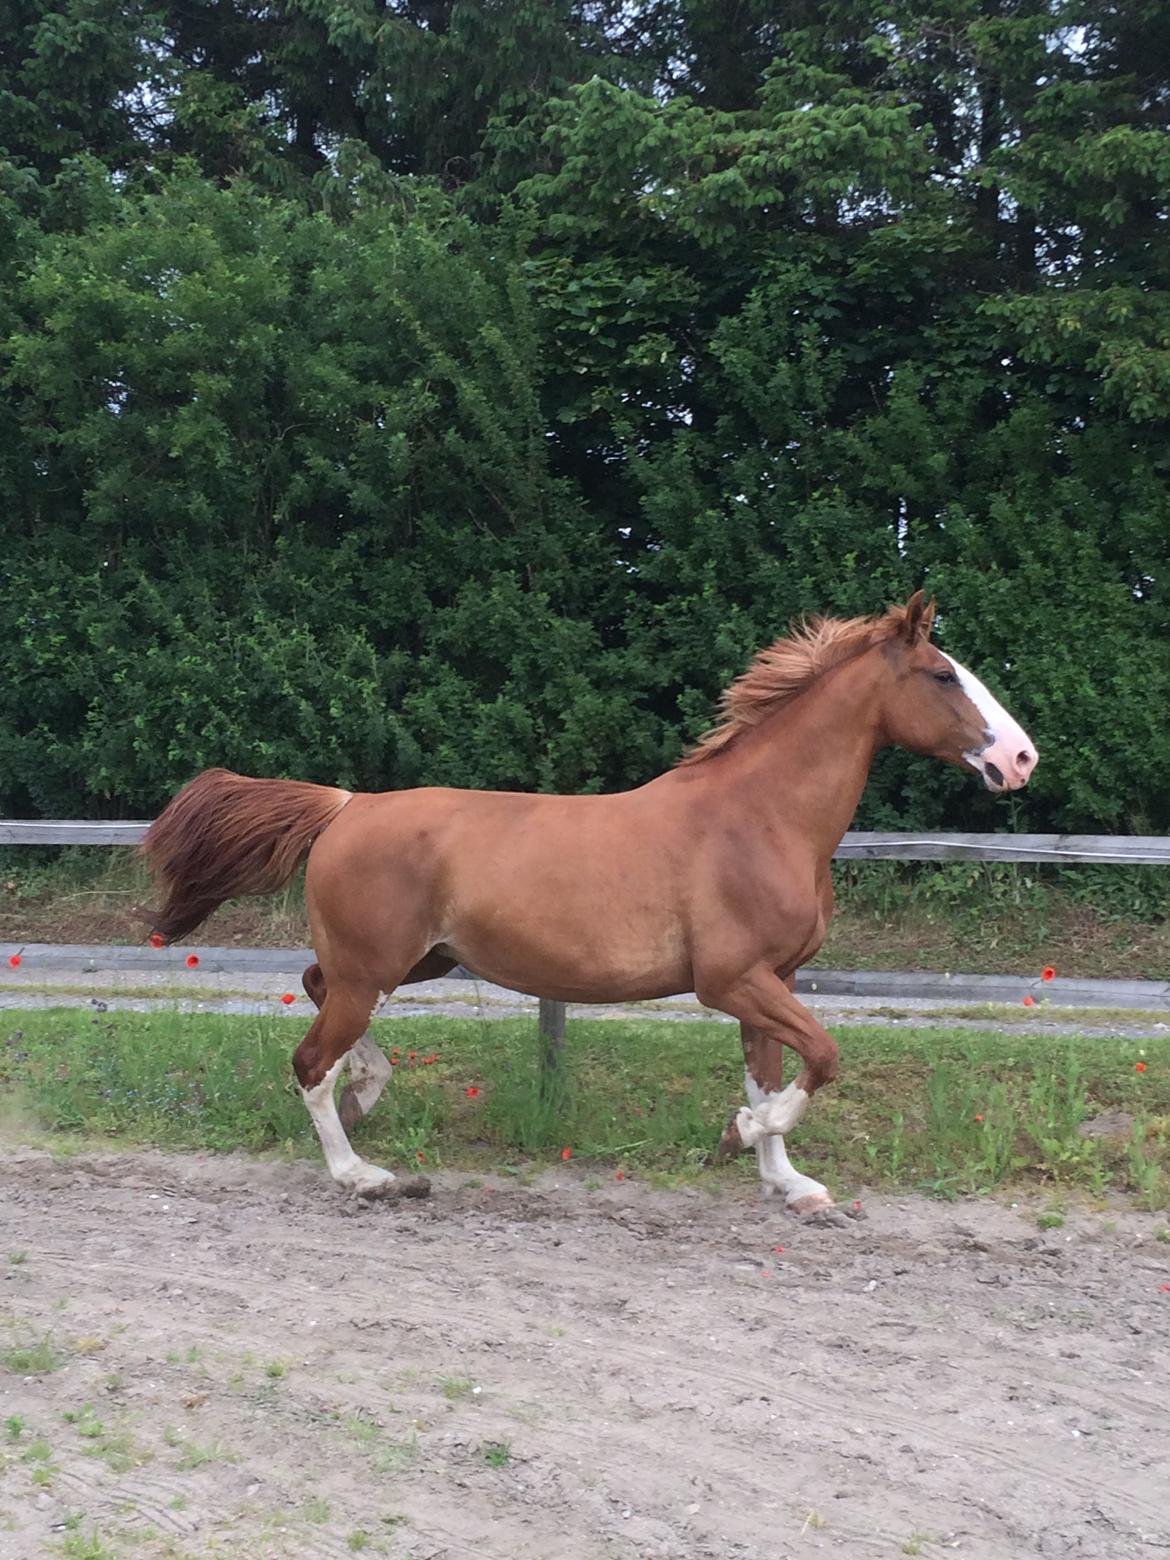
(919, 618)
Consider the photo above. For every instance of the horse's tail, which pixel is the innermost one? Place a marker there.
(225, 835)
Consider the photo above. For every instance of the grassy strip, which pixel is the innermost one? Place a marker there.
(1114, 1019)
(112, 988)
(1000, 1013)
(939, 1110)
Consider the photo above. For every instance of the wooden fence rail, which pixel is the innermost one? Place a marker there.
(1110, 849)
(1106, 849)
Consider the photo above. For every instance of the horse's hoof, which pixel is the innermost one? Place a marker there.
(349, 1107)
(379, 1191)
(730, 1144)
(810, 1203)
(826, 1218)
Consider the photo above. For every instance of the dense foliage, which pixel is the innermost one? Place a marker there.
(459, 390)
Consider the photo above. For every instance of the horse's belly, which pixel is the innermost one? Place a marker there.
(579, 966)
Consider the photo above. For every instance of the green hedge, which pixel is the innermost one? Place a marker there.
(490, 464)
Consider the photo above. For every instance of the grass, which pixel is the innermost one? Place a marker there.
(456, 1388)
(192, 1455)
(117, 1448)
(32, 1356)
(86, 1547)
(942, 1110)
(987, 917)
(394, 1457)
(1044, 1012)
(387, 1456)
(198, 988)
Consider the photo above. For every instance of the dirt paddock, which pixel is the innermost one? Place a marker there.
(243, 1362)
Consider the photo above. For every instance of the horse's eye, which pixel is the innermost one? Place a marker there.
(947, 678)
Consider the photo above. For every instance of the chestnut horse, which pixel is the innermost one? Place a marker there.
(712, 878)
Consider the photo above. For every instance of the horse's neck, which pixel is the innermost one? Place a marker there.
(805, 767)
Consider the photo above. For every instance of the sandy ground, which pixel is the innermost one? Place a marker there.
(568, 1369)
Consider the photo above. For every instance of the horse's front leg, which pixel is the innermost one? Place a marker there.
(762, 1074)
(771, 1017)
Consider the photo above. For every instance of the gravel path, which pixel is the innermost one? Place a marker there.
(35, 984)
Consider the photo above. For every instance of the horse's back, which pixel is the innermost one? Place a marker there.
(515, 882)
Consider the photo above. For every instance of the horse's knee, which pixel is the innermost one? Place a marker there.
(830, 1061)
(313, 980)
(309, 1059)
(821, 1063)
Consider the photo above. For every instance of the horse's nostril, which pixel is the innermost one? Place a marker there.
(1024, 759)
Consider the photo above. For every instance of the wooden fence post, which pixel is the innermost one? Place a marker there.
(552, 1036)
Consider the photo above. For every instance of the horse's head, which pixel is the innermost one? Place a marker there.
(937, 707)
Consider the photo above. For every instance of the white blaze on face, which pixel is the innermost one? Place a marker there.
(1009, 749)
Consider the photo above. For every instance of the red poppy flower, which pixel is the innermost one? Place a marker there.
(978, 1116)
(287, 998)
(619, 1175)
(471, 1093)
(1165, 1288)
(779, 1250)
(857, 1205)
(566, 1153)
(1029, 1001)
(1139, 1067)
(1048, 973)
(157, 940)
(14, 960)
(420, 1156)
(410, 1055)
(192, 960)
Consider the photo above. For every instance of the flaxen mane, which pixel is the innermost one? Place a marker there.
(782, 669)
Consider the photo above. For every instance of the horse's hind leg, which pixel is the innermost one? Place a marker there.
(369, 1069)
(762, 1069)
(319, 1058)
(369, 1073)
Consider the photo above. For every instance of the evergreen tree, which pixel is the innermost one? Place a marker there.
(462, 390)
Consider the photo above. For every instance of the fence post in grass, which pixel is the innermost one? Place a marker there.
(552, 1038)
